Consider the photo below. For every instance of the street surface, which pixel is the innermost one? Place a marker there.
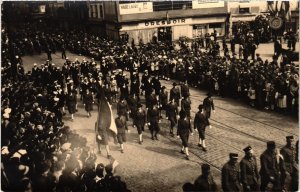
(159, 165)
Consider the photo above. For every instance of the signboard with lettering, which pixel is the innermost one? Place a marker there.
(199, 4)
(133, 8)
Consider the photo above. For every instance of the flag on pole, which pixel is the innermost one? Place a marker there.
(105, 120)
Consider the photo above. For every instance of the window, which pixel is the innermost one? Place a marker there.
(96, 11)
(244, 10)
(215, 25)
(171, 5)
(101, 11)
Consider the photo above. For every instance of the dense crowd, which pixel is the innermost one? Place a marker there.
(47, 155)
(38, 152)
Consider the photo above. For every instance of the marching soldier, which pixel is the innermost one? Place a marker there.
(205, 182)
(288, 152)
(230, 174)
(175, 93)
(153, 119)
(133, 103)
(183, 131)
(151, 100)
(172, 113)
(144, 82)
(208, 104)
(249, 171)
(71, 103)
(200, 123)
(269, 171)
(139, 121)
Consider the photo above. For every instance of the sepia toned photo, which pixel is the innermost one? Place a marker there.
(150, 96)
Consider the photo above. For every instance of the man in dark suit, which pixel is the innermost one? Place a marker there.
(205, 182)
(200, 123)
(208, 104)
(249, 171)
(231, 174)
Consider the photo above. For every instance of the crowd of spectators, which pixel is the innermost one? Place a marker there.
(40, 153)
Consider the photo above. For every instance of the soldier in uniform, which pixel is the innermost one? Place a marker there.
(144, 81)
(132, 103)
(205, 182)
(139, 120)
(102, 138)
(231, 174)
(208, 104)
(200, 123)
(175, 93)
(153, 119)
(288, 152)
(269, 171)
(183, 131)
(121, 127)
(172, 113)
(249, 171)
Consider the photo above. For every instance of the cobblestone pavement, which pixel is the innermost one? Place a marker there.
(158, 165)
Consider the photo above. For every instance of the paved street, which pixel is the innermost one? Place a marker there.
(159, 165)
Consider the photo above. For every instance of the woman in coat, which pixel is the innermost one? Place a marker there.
(183, 131)
(71, 103)
(88, 100)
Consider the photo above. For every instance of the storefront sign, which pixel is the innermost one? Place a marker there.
(199, 4)
(162, 23)
(133, 8)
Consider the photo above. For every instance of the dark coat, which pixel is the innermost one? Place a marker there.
(203, 183)
(200, 121)
(208, 104)
(231, 178)
(288, 154)
(249, 171)
(175, 94)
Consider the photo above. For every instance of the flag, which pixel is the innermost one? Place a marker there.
(105, 120)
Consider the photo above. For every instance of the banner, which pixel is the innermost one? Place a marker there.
(133, 8)
(199, 4)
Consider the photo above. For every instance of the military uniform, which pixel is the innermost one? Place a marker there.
(200, 123)
(249, 174)
(186, 106)
(184, 129)
(231, 177)
(139, 120)
(172, 112)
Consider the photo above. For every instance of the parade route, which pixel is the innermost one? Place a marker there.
(159, 165)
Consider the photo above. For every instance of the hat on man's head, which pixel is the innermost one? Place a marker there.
(174, 84)
(247, 149)
(233, 155)
(289, 137)
(271, 145)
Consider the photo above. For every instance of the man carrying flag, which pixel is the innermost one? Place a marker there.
(105, 123)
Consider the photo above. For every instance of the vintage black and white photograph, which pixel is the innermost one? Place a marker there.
(150, 96)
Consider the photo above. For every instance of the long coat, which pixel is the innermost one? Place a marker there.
(249, 173)
(231, 177)
(205, 184)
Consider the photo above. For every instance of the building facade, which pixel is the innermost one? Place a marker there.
(165, 20)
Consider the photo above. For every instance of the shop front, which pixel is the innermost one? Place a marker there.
(172, 29)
